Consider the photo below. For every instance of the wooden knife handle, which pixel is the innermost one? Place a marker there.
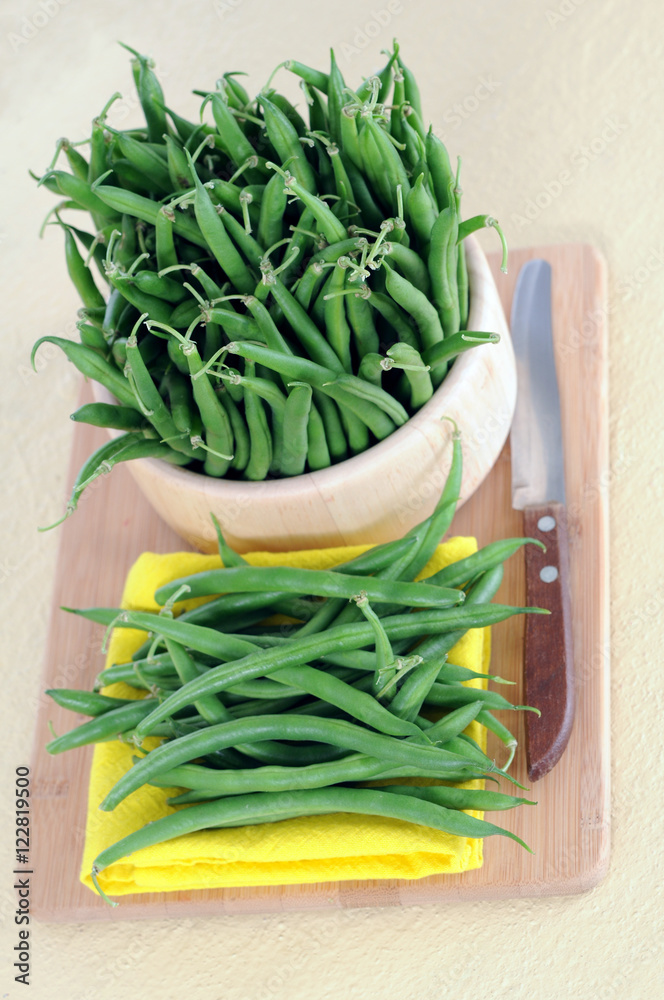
(548, 655)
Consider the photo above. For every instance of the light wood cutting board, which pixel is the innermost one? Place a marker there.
(569, 828)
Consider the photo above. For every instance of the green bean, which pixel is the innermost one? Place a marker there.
(374, 560)
(268, 329)
(78, 164)
(486, 558)
(411, 89)
(115, 307)
(273, 207)
(382, 163)
(91, 336)
(463, 287)
(180, 401)
(84, 702)
(234, 324)
(161, 287)
(241, 238)
(416, 304)
(183, 128)
(480, 222)
(130, 203)
(218, 430)
(445, 729)
(422, 212)
(338, 330)
(295, 250)
(451, 672)
(272, 602)
(325, 218)
(453, 695)
(276, 400)
(354, 767)
(226, 193)
(233, 139)
(313, 77)
(210, 707)
(123, 449)
(360, 316)
(241, 436)
(96, 250)
(438, 524)
(313, 276)
(234, 90)
(262, 690)
(356, 704)
(151, 402)
(176, 357)
(334, 432)
(295, 426)
(90, 364)
(158, 670)
(501, 731)
(442, 175)
(318, 452)
(259, 434)
(442, 270)
(142, 301)
(335, 97)
(414, 154)
(122, 418)
(213, 711)
(411, 266)
(177, 165)
(395, 317)
(103, 727)
(164, 242)
(284, 138)
(461, 798)
(304, 329)
(150, 95)
(217, 238)
(416, 372)
(80, 274)
(371, 368)
(343, 186)
(319, 304)
(81, 192)
(298, 728)
(126, 250)
(146, 160)
(362, 192)
(438, 356)
(320, 583)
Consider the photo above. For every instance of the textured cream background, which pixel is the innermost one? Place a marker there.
(537, 81)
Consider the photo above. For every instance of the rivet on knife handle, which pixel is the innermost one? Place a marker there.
(548, 654)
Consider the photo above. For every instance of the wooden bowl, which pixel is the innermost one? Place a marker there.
(377, 495)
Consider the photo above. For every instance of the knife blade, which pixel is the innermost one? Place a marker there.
(538, 489)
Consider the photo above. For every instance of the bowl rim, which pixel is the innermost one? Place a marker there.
(466, 365)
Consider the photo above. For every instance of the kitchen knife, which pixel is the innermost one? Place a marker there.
(538, 489)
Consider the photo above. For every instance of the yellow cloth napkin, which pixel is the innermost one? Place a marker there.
(307, 849)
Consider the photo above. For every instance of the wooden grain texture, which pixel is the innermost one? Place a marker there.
(569, 828)
(548, 654)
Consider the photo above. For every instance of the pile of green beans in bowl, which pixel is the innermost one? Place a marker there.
(262, 722)
(266, 291)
